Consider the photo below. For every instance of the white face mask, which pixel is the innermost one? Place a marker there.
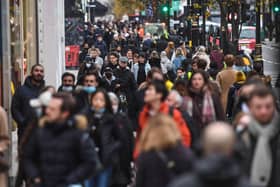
(88, 65)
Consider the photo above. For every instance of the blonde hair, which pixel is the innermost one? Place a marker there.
(160, 133)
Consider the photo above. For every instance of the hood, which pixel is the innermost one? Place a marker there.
(78, 121)
(217, 170)
(28, 83)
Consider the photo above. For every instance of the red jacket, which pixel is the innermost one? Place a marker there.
(164, 109)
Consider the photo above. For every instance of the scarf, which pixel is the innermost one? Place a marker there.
(262, 160)
(208, 110)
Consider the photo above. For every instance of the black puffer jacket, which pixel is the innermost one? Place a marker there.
(21, 110)
(60, 154)
(215, 171)
(102, 132)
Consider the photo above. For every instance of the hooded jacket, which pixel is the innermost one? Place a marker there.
(21, 110)
(60, 153)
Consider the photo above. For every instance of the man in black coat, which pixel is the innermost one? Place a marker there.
(60, 152)
(125, 86)
(21, 109)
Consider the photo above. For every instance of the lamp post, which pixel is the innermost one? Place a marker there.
(258, 49)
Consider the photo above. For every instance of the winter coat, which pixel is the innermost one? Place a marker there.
(217, 57)
(60, 154)
(225, 79)
(249, 142)
(124, 130)
(213, 171)
(166, 65)
(127, 87)
(136, 69)
(101, 130)
(197, 102)
(21, 109)
(153, 170)
(232, 98)
(177, 116)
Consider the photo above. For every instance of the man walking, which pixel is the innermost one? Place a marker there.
(60, 152)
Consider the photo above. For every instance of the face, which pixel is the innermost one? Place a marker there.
(123, 64)
(262, 108)
(68, 81)
(194, 66)
(113, 59)
(53, 112)
(181, 89)
(90, 80)
(129, 55)
(93, 54)
(151, 95)
(171, 101)
(135, 59)
(38, 73)
(180, 73)
(198, 81)
(98, 101)
(141, 59)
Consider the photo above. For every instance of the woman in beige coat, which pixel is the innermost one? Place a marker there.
(4, 141)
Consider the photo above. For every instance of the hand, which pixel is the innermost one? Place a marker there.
(4, 145)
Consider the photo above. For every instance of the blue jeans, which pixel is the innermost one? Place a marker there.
(101, 180)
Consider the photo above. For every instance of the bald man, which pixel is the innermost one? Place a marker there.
(217, 167)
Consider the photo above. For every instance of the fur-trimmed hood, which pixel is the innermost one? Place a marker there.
(78, 121)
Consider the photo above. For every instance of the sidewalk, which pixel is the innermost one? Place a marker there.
(271, 43)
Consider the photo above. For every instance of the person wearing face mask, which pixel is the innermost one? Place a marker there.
(68, 83)
(87, 67)
(108, 78)
(84, 53)
(83, 92)
(101, 128)
(122, 171)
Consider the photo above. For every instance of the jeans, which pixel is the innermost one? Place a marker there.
(101, 180)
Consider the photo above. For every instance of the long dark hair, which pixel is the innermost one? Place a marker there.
(205, 77)
(108, 105)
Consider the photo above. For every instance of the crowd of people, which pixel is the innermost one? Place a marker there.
(147, 111)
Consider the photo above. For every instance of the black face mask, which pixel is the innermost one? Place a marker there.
(108, 75)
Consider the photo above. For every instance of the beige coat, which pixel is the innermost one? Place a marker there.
(3, 132)
(226, 78)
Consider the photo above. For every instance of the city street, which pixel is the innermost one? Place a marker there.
(271, 61)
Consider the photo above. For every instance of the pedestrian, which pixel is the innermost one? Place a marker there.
(141, 69)
(203, 104)
(263, 131)
(60, 152)
(226, 78)
(181, 74)
(175, 100)
(170, 50)
(165, 63)
(162, 154)
(218, 166)
(4, 143)
(96, 59)
(154, 99)
(125, 86)
(113, 61)
(101, 129)
(217, 57)
(201, 54)
(107, 79)
(20, 107)
(179, 57)
(234, 92)
(101, 45)
(122, 170)
(82, 93)
(68, 82)
(87, 67)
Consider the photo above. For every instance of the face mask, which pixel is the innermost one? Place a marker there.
(89, 89)
(88, 65)
(67, 88)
